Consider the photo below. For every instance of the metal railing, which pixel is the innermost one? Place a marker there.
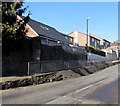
(56, 65)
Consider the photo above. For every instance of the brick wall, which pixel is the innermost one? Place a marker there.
(81, 38)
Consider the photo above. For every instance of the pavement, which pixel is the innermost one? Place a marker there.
(81, 90)
(13, 78)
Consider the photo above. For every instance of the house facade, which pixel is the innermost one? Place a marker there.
(93, 40)
(115, 46)
(69, 38)
(79, 38)
(106, 43)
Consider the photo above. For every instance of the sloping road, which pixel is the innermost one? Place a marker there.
(72, 91)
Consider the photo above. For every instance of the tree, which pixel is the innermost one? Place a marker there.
(13, 29)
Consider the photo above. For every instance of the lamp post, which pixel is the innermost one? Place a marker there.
(87, 31)
(87, 41)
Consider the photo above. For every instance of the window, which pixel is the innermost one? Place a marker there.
(84, 37)
(98, 41)
(52, 43)
(43, 41)
(44, 27)
(93, 39)
(66, 37)
(47, 41)
(47, 28)
(58, 42)
(107, 43)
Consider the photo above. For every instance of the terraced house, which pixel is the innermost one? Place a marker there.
(93, 40)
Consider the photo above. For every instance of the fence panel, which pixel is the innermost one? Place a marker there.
(34, 68)
(49, 66)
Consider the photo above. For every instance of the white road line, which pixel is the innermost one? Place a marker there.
(88, 87)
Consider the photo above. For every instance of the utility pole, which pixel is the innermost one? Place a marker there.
(87, 31)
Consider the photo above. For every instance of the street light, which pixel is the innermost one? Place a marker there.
(87, 31)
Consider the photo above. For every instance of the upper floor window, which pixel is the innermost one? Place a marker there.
(98, 41)
(108, 43)
(84, 37)
(66, 37)
(92, 39)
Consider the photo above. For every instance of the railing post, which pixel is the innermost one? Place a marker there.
(41, 64)
(68, 64)
(28, 68)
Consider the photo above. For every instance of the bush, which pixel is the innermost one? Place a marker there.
(95, 51)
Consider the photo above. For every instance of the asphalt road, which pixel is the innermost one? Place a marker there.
(82, 90)
(107, 94)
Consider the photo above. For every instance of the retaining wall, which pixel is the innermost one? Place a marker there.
(16, 57)
(56, 76)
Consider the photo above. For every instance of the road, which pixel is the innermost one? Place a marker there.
(82, 90)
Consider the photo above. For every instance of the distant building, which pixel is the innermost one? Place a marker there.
(115, 46)
(69, 38)
(79, 38)
(106, 43)
(93, 40)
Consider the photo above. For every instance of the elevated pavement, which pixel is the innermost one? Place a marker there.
(67, 74)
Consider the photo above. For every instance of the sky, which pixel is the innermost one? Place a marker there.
(65, 16)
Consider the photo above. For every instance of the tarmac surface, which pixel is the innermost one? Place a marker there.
(107, 94)
(98, 88)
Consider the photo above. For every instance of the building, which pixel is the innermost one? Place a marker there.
(69, 38)
(93, 40)
(49, 35)
(39, 49)
(115, 46)
(79, 38)
(106, 43)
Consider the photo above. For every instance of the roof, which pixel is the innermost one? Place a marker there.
(78, 32)
(110, 48)
(70, 33)
(106, 40)
(115, 43)
(97, 37)
(45, 30)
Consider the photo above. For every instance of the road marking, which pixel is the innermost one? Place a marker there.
(88, 87)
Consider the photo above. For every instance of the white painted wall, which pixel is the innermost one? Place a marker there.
(75, 37)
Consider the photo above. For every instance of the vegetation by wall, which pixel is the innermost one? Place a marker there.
(95, 51)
